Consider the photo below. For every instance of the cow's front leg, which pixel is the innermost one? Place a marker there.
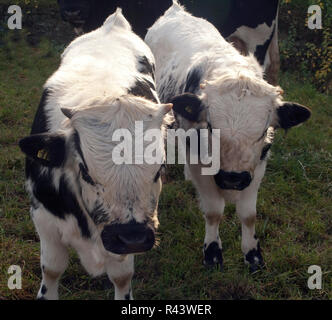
(212, 243)
(120, 273)
(54, 261)
(212, 205)
(246, 210)
(53, 255)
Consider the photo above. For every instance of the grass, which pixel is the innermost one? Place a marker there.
(294, 207)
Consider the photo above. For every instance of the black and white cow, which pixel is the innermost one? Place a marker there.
(212, 85)
(251, 25)
(80, 197)
(87, 15)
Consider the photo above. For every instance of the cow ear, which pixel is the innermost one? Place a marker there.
(291, 114)
(189, 106)
(47, 149)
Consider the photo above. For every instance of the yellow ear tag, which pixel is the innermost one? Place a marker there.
(42, 154)
(188, 109)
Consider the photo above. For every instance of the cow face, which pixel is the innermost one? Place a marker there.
(76, 12)
(247, 111)
(122, 199)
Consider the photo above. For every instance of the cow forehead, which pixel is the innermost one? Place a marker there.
(233, 116)
(96, 140)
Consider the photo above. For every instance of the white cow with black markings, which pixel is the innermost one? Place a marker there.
(212, 85)
(81, 197)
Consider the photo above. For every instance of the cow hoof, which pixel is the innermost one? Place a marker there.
(254, 259)
(213, 255)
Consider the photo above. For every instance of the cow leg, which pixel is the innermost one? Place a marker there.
(212, 243)
(54, 261)
(246, 210)
(212, 206)
(120, 274)
(53, 254)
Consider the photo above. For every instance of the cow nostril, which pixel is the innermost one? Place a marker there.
(136, 239)
(234, 178)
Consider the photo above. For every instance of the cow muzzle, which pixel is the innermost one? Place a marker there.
(128, 238)
(232, 180)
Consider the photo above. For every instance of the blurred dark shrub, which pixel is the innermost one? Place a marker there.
(302, 50)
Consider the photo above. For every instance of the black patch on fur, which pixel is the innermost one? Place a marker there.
(60, 203)
(188, 105)
(127, 296)
(99, 215)
(291, 114)
(265, 151)
(85, 175)
(143, 88)
(84, 170)
(228, 16)
(39, 124)
(77, 142)
(193, 80)
(167, 91)
(52, 144)
(159, 173)
(145, 66)
(43, 289)
(261, 50)
(250, 258)
(156, 178)
(212, 253)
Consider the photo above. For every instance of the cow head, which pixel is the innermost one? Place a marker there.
(76, 12)
(121, 199)
(247, 110)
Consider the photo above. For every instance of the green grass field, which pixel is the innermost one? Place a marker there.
(294, 207)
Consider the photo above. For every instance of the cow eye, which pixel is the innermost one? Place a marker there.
(160, 171)
(85, 175)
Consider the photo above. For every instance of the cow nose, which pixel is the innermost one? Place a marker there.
(233, 180)
(128, 238)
